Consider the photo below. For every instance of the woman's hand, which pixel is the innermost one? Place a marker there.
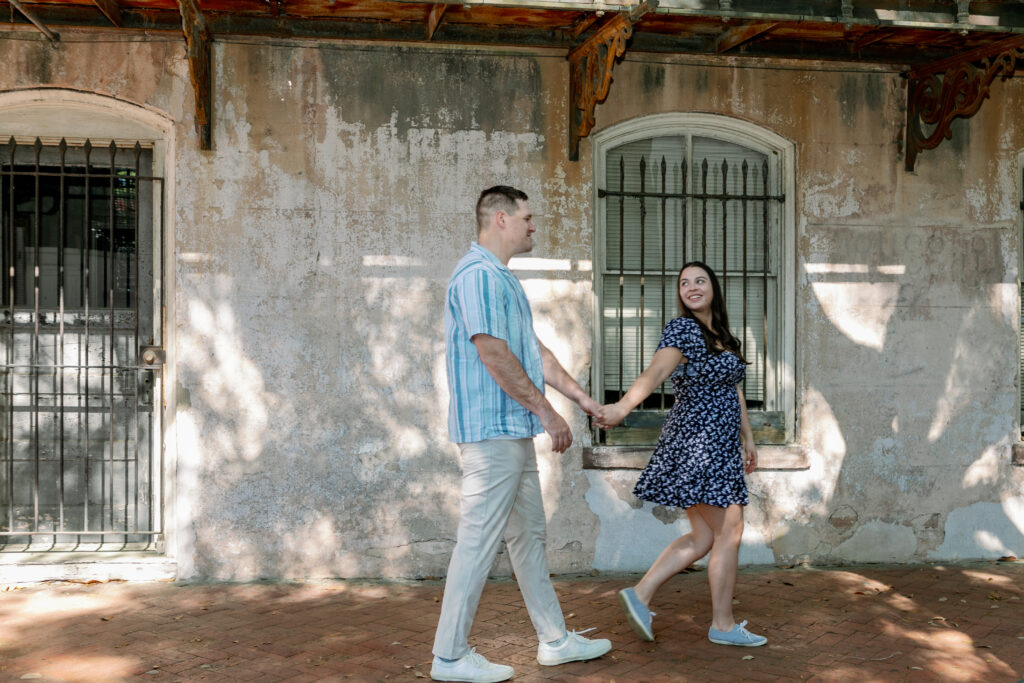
(749, 456)
(611, 415)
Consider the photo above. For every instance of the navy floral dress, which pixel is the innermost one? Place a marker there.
(698, 458)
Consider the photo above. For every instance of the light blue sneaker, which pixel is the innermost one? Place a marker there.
(637, 614)
(739, 635)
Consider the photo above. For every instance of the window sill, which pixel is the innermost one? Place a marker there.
(1017, 454)
(770, 458)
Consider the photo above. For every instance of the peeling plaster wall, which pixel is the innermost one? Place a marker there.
(906, 317)
(312, 246)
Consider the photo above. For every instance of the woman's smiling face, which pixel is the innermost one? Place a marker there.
(695, 289)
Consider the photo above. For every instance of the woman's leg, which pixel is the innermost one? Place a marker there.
(679, 555)
(726, 524)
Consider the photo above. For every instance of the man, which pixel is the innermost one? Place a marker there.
(497, 369)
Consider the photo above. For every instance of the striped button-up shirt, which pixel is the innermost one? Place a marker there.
(484, 297)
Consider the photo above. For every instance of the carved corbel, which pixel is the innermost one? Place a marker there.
(934, 100)
(590, 71)
(200, 68)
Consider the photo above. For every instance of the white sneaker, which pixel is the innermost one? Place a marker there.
(473, 668)
(576, 648)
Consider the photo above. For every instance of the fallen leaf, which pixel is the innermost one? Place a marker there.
(749, 657)
(106, 618)
(943, 599)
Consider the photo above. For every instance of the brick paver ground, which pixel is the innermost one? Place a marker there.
(961, 622)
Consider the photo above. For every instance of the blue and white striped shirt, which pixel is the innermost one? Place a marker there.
(484, 297)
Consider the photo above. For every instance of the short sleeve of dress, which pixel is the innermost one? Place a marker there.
(684, 334)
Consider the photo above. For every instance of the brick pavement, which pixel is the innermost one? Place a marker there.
(962, 622)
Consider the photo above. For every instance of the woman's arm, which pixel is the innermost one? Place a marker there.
(662, 364)
(747, 435)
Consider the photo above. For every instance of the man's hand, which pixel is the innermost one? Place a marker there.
(558, 429)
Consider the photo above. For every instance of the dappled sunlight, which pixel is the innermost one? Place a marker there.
(988, 468)
(864, 324)
(948, 653)
(859, 309)
(87, 668)
(988, 577)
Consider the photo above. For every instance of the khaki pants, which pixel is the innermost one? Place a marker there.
(500, 495)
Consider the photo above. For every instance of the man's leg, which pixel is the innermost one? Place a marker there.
(490, 480)
(526, 538)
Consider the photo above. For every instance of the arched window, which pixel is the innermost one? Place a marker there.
(683, 187)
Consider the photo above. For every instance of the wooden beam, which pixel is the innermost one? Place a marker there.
(738, 35)
(200, 67)
(872, 37)
(54, 38)
(434, 19)
(111, 10)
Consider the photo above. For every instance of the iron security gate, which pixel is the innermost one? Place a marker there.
(80, 344)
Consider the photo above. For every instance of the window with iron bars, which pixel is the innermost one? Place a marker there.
(665, 201)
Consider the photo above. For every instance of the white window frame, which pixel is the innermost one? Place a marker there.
(782, 179)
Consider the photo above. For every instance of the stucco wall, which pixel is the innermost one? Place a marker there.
(306, 427)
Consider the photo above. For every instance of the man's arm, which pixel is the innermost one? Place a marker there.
(508, 372)
(559, 378)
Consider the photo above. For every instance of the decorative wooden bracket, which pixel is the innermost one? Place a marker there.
(590, 71)
(200, 68)
(960, 92)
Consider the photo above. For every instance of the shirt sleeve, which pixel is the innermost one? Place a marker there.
(684, 334)
(479, 301)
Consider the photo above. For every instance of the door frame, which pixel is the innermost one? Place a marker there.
(50, 114)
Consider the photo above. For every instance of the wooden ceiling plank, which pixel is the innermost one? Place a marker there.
(111, 10)
(738, 35)
(872, 38)
(434, 19)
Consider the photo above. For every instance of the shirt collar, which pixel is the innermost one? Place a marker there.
(486, 253)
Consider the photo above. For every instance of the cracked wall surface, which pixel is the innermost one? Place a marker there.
(312, 246)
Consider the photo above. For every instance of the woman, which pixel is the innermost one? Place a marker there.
(706, 445)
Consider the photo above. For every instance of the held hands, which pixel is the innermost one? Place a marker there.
(610, 415)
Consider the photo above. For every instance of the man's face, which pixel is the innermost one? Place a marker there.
(519, 228)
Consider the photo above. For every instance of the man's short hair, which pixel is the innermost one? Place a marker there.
(498, 198)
